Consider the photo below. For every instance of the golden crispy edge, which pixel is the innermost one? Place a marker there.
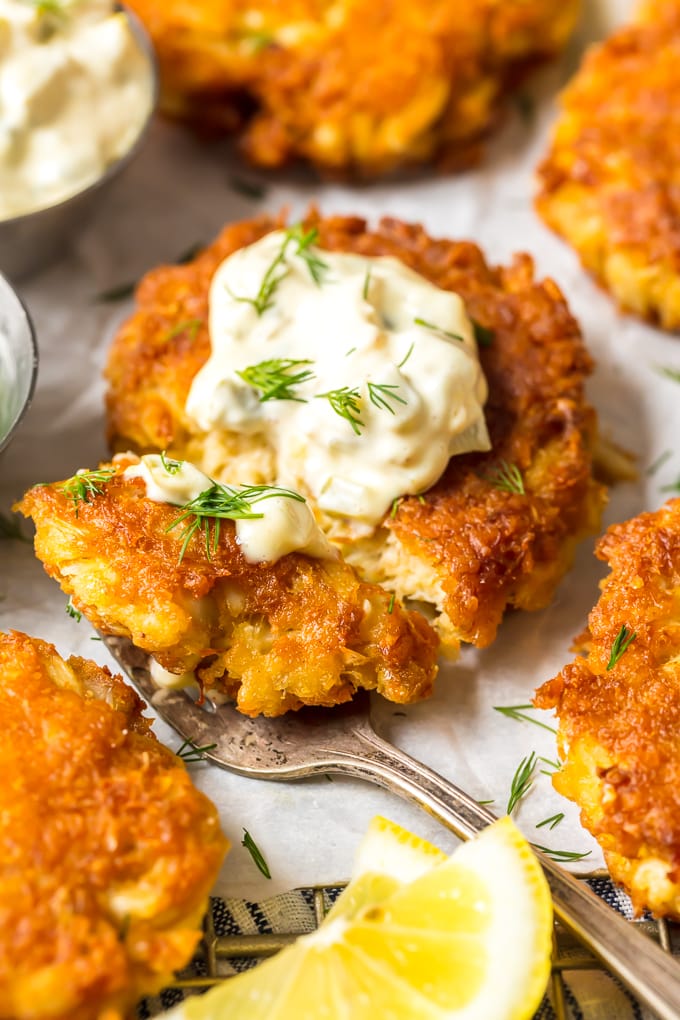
(618, 727)
(310, 83)
(272, 635)
(608, 184)
(109, 851)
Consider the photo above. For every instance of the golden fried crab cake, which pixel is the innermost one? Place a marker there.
(363, 86)
(610, 183)
(499, 528)
(109, 852)
(273, 634)
(618, 706)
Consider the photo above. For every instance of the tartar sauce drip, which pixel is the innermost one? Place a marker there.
(286, 525)
(75, 90)
(357, 328)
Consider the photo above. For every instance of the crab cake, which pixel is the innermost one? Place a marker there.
(273, 635)
(610, 183)
(109, 852)
(618, 706)
(498, 528)
(359, 86)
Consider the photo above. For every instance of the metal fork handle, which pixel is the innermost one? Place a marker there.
(649, 972)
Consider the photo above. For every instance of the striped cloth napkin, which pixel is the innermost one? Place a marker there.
(590, 995)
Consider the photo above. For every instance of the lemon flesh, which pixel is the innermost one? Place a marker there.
(415, 936)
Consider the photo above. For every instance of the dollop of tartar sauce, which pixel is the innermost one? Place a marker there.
(369, 325)
(286, 525)
(75, 90)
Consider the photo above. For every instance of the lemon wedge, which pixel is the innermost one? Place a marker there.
(415, 936)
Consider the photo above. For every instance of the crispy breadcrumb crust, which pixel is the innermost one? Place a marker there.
(468, 548)
(108, 851)
(364, 86)
(619, 728)
(272, 636)
(610, 183)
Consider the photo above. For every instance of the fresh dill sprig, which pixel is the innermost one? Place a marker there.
(274, 378)
(220, 502)
(621, 642)
(395, 506)
(188, 326)
(278, 270)
(345, 402)
(304, 240)
(74, 613)
(672, 486)
(507, 478)
(438, 329)
(170, 466)
(554, 766)
(85, 485)
(190, 752)
(659, 462)
(484, 803)
(380, 395)
(10, 527)
(251, 846)
(407, 356)
(670, 373)
(518, 712)
(522, 781)
(391, 604)
(552, 821)
(483, 335)
(560, 856)
(367, 284)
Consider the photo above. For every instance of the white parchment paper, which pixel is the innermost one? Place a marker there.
(178, 193)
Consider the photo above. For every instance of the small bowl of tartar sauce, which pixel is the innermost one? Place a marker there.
(78, 87)
(18, 361)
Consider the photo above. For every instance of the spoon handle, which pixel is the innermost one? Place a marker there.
(649, 972)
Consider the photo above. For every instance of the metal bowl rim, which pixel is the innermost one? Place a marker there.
(33, 341)
(144, 40)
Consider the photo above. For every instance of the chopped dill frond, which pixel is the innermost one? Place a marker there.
(251, 846)
(345, 403)
(220, 502)
(381, 393)
(85, 485)
(506, 477)
(275, 379)
(522, 781)
(623, 639)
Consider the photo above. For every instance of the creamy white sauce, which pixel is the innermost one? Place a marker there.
(286, 524)
(165, 680)
(75, 90)
(357, 328)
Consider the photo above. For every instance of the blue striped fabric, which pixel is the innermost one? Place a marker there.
(590, 995)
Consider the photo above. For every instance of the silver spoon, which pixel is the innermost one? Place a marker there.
(342, 739)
